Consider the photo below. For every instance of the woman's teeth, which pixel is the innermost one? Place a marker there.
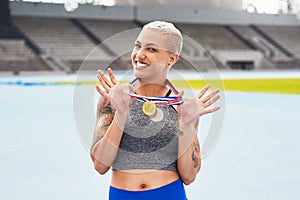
(138, 64)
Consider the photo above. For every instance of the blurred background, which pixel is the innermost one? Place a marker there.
(57, 35)
(51, 49)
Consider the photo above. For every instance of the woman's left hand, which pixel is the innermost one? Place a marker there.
(192, 109)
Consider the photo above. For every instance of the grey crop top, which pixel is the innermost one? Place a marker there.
(147, 144)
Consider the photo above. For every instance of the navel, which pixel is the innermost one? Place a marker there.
(143, 186)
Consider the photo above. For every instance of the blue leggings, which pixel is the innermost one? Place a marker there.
(172, 191)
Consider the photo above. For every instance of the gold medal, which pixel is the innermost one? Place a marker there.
(149, 108)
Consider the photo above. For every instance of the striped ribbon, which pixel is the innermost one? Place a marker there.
(159, 100)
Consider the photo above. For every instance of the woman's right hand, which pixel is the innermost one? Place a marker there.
(114, 92)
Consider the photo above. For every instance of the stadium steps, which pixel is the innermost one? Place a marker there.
(272, 41)
(61, 39)
(105, 30)
(253, 37)
(116, 35)
(18, 53)
(256, 42)
(119, 61)
(287, 36)
(92, 36)
(212, 37)
(266, 61)
(16, 56)
(240, 37)
(53, 62)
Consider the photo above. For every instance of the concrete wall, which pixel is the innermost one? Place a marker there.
(187, 15)
(215, 16)
(226, 56)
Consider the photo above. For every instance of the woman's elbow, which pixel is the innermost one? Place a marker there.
(188, 180)
(100, 167)
(189, 177)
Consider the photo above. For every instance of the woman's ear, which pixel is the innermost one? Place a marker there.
(173, 59)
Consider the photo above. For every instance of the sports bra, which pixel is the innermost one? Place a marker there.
(148, 144)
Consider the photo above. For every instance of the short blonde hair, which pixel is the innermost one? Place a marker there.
(167, 28)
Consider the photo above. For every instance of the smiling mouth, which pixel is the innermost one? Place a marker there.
(141, 65)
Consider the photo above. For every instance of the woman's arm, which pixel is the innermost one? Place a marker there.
(189, 161)
(107, 136)
(112, 110)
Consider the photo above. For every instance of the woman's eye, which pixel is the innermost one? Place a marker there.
(137, 46)
(152, 49)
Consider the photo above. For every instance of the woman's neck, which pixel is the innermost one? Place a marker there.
(153, 88)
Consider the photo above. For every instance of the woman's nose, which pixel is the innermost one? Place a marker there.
(140, 53)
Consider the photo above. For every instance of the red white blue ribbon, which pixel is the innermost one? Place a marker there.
(159, 100)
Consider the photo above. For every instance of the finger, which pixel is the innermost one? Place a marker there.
(101, 76)
(102, 93)
(104, 78)
(209, 103)
(103, 82)
(107, 82)
(210, 110)
(180, 94)
(214, 109)
(212, 94)
(203, 91)
(112, 76)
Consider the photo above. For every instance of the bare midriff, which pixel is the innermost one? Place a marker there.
(139, 180)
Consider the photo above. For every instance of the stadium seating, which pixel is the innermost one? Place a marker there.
(286, 36)
(211, 36)
(59, 38)
(64, 41)
(260, 42)
(16, 56)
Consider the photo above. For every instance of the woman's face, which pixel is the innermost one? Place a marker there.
(150, 56)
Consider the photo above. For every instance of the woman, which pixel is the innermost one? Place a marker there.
(152, 150)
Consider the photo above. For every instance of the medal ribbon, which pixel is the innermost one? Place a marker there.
(159, 100)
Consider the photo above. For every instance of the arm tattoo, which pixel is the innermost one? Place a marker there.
(195, 159)
(181, 133)
(196, 144)
(196, 147)
(105, 116)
